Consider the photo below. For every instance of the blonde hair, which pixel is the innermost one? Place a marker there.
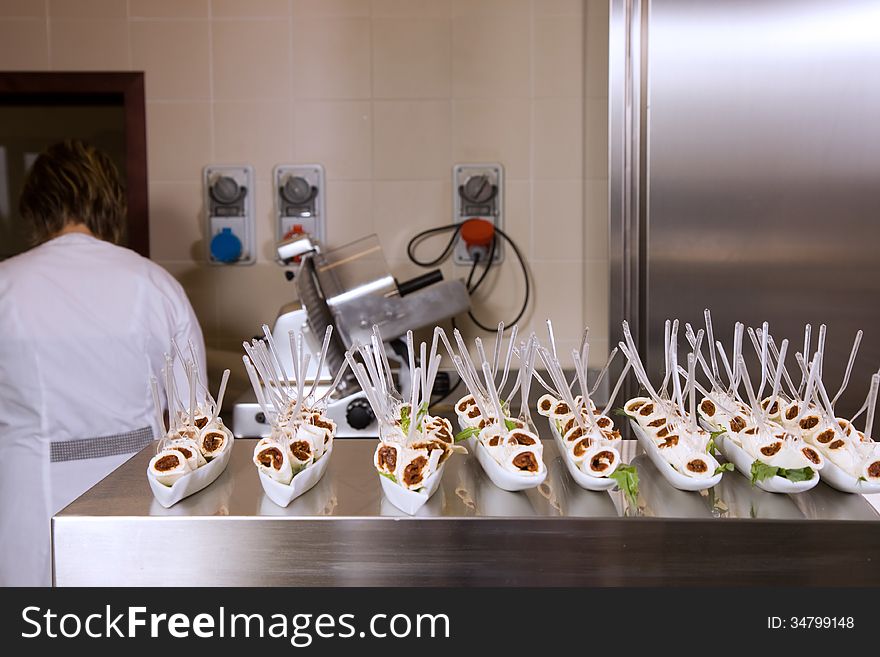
(73, 183)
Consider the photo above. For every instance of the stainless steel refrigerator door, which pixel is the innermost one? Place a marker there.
(761, 172)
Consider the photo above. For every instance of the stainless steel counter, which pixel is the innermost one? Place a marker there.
(344, 532)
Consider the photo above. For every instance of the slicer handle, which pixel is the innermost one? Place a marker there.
(419, 282)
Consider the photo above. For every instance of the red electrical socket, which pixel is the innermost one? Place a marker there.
(478, 234)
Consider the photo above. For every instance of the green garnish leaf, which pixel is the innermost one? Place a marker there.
(627, 479)
(724, 467)
(388, 476)
(470, 432)
(799, 474)
(862, 479)
(622, 412)
(510, 424)
(762, 471)
(711, 446)
(404, 418)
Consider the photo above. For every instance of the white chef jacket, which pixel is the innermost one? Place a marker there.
(83, 326)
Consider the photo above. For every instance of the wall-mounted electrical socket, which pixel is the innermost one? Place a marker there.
(299, 201)
(478, 193)
(229, 201)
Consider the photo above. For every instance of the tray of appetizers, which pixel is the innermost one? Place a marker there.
(414, 446)
(507, 448)
(196, 447)
(295, 455)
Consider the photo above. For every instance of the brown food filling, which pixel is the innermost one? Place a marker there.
(792, 413)
(474, 412)
(324, 424)
(575, 434)
(770, 450)
(201, 422)
(737, 424)
(636, 405)
(646, 410)
(412, 473)
(843, 425)
(601, 461)
(213, 441)
(707, 407)
(603, 422)
(388, 458)
(546, 405)
(811, 455)
(697, 466)
(443, 434)
(837, 444)
(562, 409)
(167, 462)
(874, 469)
(751, 431)
(581, 448)
(271, 457)
(522, 438)
(670, 441)
(467, 402)
(809, 422)
(662, 433)
(568, 426)
(187, 453)
(826, 436)
(526, 461)
(657, 423)
(301, 450)
(494, 441)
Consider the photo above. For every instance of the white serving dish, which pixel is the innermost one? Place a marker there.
(838, 478)
(664, 500)
(505, 480)
(410, 501)
(580, 477)
(670, 474)
(284, 494)
(743, 462)
(194, 481)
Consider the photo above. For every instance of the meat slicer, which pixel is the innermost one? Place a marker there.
(352, 289)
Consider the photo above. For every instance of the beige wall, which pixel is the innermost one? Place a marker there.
(388, 95)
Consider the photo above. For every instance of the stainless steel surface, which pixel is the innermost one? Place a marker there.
(625, 162)
(396, 315)
(343, 531)
(762, 155)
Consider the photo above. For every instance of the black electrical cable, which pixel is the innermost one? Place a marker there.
(489, 262)
(476, 260)
(410, 247)
(456, 228)
(525, 272)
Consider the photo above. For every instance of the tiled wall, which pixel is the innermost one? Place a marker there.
(388, 95)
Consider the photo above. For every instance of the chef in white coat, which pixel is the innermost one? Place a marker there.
(84, 323)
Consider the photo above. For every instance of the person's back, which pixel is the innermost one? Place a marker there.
(83, 326)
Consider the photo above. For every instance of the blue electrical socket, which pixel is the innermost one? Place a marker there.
(229, 204)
